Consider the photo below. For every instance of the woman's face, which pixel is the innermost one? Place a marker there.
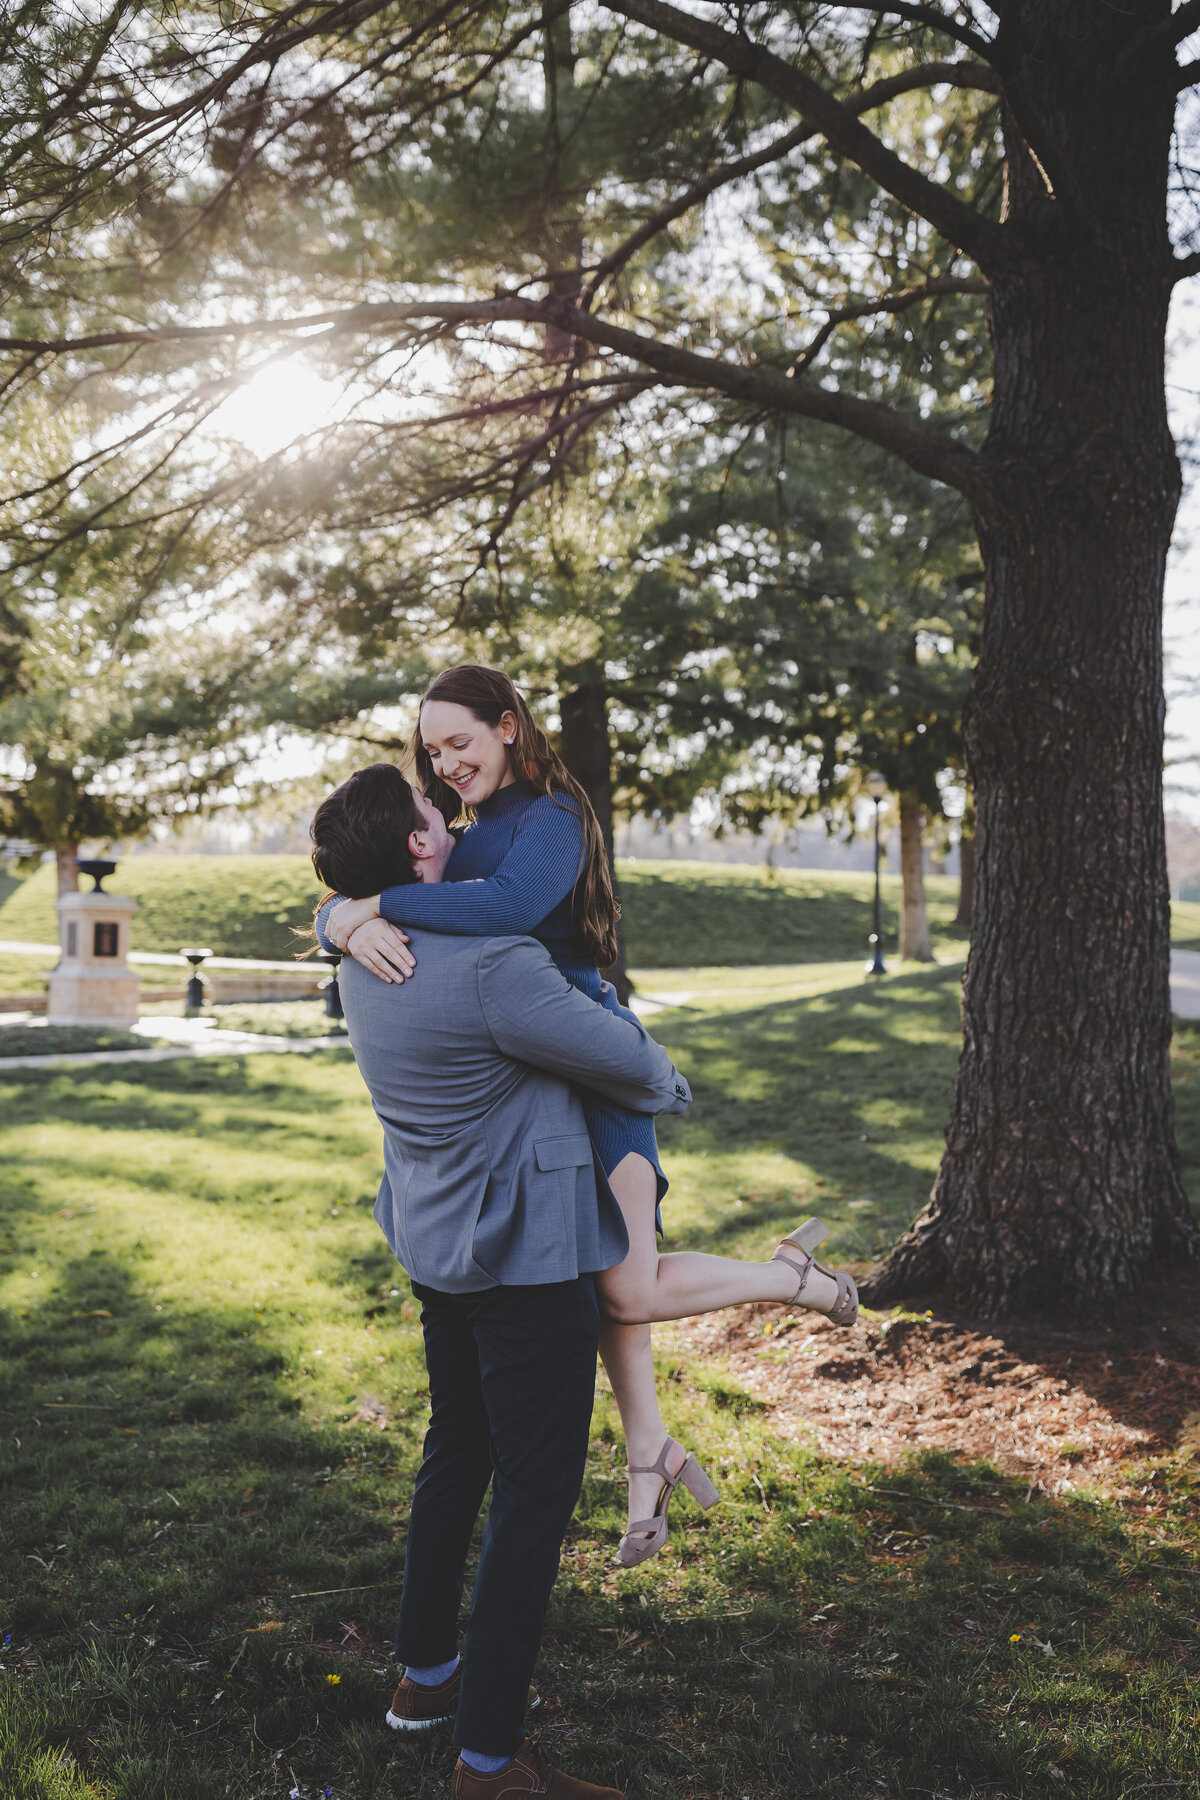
(468, 755)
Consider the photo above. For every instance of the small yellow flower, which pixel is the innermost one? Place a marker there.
(1014, 1639)
(333, 1680)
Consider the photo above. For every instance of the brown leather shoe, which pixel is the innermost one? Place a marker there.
(529, 1772)
(416, 1708)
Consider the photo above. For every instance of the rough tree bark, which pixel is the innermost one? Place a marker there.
(1060, 1183)
(585, 748)
(966, 873)
(64, 864)
(914, 923)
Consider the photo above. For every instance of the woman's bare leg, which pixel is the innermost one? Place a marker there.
(647, 1286)
(627, 1356)
(638, 1290)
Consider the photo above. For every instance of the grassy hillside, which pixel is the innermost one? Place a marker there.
(681, 914)
(238, 905)
(677, 915)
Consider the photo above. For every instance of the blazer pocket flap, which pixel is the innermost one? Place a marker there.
(563, 1152)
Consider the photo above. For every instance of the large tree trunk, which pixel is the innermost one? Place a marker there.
(1060, 1184)
(64, 863)
(966, 873)
(914, 923)
(585, 748)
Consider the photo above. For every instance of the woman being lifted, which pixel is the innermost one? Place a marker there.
(532, 863)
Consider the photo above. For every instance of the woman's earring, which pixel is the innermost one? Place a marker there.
(508, 740)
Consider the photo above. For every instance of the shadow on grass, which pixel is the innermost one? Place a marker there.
(854, 1083)
(170, 1510)
(178, 1496)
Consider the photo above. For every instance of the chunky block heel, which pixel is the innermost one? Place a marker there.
(697, 1484)
(646, 1537)
(804, 1240)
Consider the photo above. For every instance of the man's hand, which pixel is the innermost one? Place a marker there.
(347, 916)
(381, 948)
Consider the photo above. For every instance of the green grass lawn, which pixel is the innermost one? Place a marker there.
(40, 1039)
(203, 1525)
(25, 974)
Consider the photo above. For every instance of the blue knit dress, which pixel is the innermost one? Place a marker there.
(511, 874)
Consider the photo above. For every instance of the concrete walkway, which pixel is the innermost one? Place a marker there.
(189, 1038)
(200, 1037)
(12, 947)
(192, 1038)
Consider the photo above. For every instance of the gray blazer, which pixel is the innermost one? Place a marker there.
(489, 1178)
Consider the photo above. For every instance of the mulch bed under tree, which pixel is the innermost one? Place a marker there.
(1066, 1406)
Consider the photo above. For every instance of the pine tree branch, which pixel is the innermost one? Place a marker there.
(930, 451)
(692, 197)
(836, 120)
(926, 449)
(957, 74)
(1164, 36)
(1181, 24)
(889, 303)
(929, 17)
(961, 73)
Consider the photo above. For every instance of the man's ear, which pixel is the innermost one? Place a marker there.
(418, 844)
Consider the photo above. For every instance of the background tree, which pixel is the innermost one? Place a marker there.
(151, 679)
(754, 616)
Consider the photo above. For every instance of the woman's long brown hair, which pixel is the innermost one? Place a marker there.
(489, 694)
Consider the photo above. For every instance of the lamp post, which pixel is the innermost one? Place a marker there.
(333, 997)
(193, 1001)
(877, 787)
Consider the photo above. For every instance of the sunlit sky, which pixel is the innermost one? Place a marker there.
(281, 402)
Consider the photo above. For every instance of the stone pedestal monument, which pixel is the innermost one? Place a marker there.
(93, 984)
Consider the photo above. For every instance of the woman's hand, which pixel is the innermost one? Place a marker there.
(347, 916)
(382, 948)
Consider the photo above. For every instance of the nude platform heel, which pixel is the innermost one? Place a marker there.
(805, 1239)
(635, 1548)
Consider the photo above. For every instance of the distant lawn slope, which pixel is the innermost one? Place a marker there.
(677, 914)
(684, 914)
(237, 905)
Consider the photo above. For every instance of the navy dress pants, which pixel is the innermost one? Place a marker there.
(512, 1376)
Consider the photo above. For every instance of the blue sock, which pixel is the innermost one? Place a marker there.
(434, 1675)
(484, 1765)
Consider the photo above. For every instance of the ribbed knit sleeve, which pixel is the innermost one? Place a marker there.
(537, 873)
(321, 919)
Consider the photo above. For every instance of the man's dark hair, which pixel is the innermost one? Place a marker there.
(360, 833)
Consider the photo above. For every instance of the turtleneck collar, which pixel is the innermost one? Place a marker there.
(505, 800)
